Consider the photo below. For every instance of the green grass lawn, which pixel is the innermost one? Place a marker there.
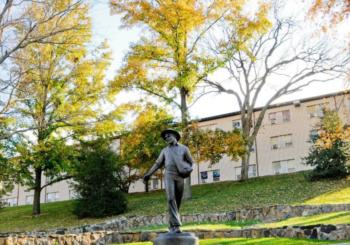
(259, 241)
(57, 214)
(224, 196)
(327, 218)
(257, 192)
(332, 197)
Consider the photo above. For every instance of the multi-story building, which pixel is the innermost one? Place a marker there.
(281, 144)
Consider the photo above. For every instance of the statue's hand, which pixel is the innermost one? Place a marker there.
(146, 178)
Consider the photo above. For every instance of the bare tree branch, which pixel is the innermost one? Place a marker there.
(274, 58)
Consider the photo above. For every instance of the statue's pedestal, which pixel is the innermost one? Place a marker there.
(183, 238)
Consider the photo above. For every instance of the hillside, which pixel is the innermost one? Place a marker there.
(223, 196)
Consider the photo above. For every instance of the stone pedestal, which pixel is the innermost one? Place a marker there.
(183, 238)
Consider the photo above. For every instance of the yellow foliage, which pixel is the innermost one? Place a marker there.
(337, 10)
(64, 82)
(211, 145)
(171, 59)
(332, 130)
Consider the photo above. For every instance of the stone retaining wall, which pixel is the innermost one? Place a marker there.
(323, 232)
(119, 224)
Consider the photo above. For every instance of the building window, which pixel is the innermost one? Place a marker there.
(10, 202)
(204, 176)
(29, 199)
(281, 141)
(216, 175)
(52, 197)
(283, 166)
(236, 124)
(272, 117)
(155, 184)
(313, 135)
(251, 171)
(317, 111)
(279, 117)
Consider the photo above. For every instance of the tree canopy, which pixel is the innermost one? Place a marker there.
(59, 98)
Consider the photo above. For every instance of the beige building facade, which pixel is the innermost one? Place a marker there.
(281, 144)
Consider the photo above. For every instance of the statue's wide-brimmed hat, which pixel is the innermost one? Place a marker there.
(170, 131)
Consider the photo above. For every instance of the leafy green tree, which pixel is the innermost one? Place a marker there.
(58, 99)
(330, 152)
(6, 183)
(8, 171)
(96, 181)
(171, 59)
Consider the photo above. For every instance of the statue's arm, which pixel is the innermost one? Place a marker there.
(158, 164)
(188, 156)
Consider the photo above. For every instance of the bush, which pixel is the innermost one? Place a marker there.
(331, 163)
(96, 182)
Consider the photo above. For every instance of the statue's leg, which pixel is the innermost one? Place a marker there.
(179, 191)
(174, 217)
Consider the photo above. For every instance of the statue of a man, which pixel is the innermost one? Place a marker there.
(178, 162)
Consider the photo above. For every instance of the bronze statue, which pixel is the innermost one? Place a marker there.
(177, 161)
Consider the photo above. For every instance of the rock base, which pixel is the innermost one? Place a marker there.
(184, 238)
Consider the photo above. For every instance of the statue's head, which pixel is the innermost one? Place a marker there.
(170, 136)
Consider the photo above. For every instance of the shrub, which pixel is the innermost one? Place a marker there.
(96, 182)
(330, 151)
(330, 162)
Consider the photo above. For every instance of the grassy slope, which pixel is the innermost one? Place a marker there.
(327, 218)
(283, 189)
(260, 241)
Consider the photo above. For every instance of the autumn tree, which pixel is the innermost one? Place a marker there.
(335, 11)
(170, 59)
(22, 23)
(212, 145)
(58, 98)
(272, 59)
(330, 152)
(141, 146)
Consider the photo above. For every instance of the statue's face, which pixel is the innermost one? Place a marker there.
(170, 138)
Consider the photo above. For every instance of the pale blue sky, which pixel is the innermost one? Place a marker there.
(106, 26)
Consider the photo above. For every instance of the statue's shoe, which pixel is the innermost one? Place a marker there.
(175, 229)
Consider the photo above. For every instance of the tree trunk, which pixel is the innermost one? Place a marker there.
(37, 192)
(146, 187)
(245, 165)
(246, 125)
(184, 120)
